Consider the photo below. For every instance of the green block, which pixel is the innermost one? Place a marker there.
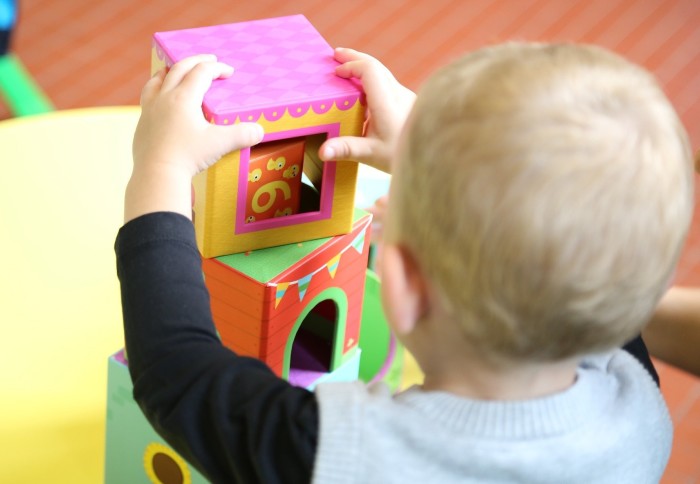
(382, 354)
(135, 453)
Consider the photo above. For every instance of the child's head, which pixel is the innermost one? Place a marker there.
(545, 191)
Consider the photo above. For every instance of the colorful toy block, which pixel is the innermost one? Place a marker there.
(134, 451)
(292, 304)
(285, 80)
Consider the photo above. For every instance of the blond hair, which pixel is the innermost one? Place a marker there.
(546, 191)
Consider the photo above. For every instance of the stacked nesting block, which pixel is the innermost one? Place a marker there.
(274, 223)
(285, 80)
(285, 252)
(134, 452)
(296, 307)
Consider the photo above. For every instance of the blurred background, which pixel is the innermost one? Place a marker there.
(95, 52)
(86, 53)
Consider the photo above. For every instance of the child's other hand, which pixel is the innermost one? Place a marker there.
(388, 103)
(173, 141)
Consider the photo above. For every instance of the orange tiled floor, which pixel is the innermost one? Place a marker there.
(97, 52)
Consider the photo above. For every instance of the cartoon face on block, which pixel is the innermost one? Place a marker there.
(270, 192)
(255, 175)
(276, 164)
(291, 172)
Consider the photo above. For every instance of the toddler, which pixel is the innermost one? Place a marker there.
(539, 201)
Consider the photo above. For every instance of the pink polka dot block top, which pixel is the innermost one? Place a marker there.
(281, 65)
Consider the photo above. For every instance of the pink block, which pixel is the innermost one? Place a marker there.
(281, 65)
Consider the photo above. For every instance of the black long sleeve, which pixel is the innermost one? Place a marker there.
(230, 416)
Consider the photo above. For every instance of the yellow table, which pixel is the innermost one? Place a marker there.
(61, 192)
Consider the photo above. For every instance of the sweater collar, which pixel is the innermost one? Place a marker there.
(538, 418)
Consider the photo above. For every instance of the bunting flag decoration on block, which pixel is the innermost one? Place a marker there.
(281, 289)
(304, 285)
(332, 266)
(359, 243)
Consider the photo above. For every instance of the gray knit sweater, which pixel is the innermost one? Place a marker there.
(611, 426)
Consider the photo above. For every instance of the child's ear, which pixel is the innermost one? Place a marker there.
(404, 288)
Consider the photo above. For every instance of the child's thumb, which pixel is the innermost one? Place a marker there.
(235, 137)
(342, 148)
(353, 148)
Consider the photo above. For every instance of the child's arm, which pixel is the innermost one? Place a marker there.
(228, 415)
(389, 104)
(673, 335)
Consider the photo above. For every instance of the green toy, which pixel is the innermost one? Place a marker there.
(19, 91)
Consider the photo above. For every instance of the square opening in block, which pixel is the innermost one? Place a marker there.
(282, 182)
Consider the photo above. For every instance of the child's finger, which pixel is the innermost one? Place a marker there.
(198, 80)
(352, 148)
(152, 86)
(224, 139)
(180, 69)
(343, 55)
(244, 135)
(377, 81)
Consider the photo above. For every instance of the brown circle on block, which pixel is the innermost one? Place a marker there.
(166, 469)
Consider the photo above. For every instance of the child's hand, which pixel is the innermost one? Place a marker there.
(389, 104)
(173, 142)
(172, 128)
